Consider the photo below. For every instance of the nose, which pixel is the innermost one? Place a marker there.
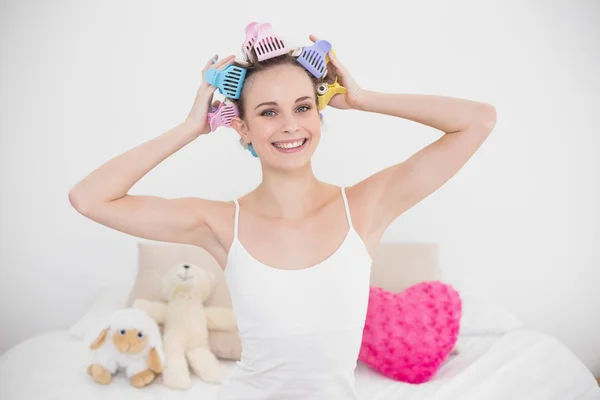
(186, 266)
(290, 125)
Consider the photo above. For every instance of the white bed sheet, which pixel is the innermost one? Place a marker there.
(516, 365)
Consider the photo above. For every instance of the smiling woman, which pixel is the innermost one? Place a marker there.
(284, 244)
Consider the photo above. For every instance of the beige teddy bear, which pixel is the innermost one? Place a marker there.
(186, 322)
(131, 342)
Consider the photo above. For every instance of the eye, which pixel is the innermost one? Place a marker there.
(304, 108)
(122, 332)
(140, 335)
(266, 113)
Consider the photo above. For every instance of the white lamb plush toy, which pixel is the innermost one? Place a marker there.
(131, 342)
(187, 322)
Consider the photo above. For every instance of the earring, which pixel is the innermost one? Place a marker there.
(251, 149)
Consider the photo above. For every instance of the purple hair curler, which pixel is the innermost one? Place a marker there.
(313, 58)
(222, 115)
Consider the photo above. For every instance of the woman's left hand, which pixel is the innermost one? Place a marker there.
(350, 99)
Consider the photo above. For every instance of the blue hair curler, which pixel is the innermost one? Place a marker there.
(229, 81)
(251, 150)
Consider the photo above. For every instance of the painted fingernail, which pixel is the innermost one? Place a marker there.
(214, 60)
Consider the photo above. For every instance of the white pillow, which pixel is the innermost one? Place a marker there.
(107, 301)
(483, 316)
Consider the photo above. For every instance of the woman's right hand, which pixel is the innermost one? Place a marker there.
(198, 116)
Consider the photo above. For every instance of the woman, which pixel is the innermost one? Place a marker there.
(296, 251)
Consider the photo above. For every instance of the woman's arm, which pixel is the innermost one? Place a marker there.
(103, 195)
(447, 114)
(386, 194)
(466, 125)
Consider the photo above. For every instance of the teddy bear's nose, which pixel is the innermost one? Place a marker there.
(186, 266)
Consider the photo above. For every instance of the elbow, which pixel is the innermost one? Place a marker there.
(486, 117)
(75, 199)
(86, 204)
(78, 202)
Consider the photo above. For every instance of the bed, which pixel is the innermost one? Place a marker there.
(520, 364)
(496, 358)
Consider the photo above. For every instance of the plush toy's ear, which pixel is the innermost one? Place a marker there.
(154, 361)
(99, 340)
(208, 284)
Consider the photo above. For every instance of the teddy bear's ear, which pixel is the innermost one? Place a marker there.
(100, 339)
(207, 284)
(154, 361)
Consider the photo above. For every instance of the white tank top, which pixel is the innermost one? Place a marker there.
(300, 329)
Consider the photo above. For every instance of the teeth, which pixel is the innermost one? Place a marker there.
(290, 145)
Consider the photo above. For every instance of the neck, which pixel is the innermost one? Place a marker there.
(288, 194)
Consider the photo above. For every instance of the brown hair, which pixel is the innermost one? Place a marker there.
(253, 67)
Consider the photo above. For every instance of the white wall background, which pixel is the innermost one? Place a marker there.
(82, 81)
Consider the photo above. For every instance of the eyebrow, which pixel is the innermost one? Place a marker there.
(273, 103)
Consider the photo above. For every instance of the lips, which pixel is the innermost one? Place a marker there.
(288, 141)
(290, 146)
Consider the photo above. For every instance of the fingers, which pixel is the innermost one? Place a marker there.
(313, 38)
(336, 63)
(214, 62)
(211, 62)
(220, 64)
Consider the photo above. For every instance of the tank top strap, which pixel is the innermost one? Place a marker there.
(236, 219)
(347, 207)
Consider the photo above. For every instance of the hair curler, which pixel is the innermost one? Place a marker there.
(251, 32)
(267, 44)
(229, 81)
(222, 115)
(326, 91)
(314, 57)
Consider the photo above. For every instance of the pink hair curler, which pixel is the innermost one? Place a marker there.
(223, 115)
(251, 32)
(267, 44)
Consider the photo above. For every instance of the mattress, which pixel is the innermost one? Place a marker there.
(516, 365)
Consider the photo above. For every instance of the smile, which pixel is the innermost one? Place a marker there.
(290, 146)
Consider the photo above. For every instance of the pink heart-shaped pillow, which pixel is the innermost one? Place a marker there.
(408, 335)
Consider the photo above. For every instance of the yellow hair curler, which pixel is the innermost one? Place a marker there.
(326, 91)
(327, 56)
